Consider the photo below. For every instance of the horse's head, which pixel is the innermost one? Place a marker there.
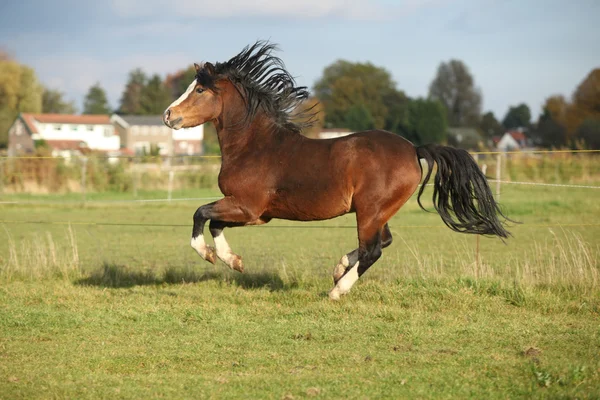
(200, 103)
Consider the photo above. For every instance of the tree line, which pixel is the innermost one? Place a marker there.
(357, 96)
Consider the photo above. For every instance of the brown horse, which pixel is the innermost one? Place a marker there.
(269, 170)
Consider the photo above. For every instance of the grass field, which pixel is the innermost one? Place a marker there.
(98, 311)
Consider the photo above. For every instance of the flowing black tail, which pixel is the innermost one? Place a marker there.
(461, 194)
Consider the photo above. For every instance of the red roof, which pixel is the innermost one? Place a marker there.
(28, 119)
(517, 135)
(64, 119)
(73, 119)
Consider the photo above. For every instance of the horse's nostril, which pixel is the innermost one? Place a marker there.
(166, 115)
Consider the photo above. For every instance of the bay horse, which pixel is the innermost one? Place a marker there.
(270, 170)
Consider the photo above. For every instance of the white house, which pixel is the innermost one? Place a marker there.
(512, 140)
(63, 133)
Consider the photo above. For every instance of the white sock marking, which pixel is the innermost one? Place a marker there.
(345, 283)
(223, 250)
(184, 96)
(199, 245)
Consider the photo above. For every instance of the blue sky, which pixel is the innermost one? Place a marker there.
(518, 51)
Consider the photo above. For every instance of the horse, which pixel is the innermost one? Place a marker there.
(270, 170)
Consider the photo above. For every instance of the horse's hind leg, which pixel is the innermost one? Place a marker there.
(351, 258)
(370, 232)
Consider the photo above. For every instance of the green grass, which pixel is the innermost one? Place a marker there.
(134, 313)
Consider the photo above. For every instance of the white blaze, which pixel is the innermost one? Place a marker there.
(184, 96)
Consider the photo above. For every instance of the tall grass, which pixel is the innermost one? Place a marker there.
(41, 258)
(565, 262)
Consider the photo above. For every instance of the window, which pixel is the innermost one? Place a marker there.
(108, 132)
(57, 127)
(74, 128)
(90, 128)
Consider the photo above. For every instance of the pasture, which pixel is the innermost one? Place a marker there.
(130, 310)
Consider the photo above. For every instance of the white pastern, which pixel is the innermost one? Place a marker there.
(345, 283)
(223, 250)
(199, 245)
(184, 96)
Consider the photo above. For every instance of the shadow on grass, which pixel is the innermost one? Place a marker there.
(120, 276)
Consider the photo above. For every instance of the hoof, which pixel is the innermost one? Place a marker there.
(334, 294)
(211, 254)
(237, 264)
(338, 272)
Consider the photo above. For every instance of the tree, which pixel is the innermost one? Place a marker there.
(490, 126)
(589, 132)
(397, 104)
(455, 88)
(53, 102)
(95, 101)
(19, 92)
(132, 95)
(426, 122)
(517, 117)
(587, 95)
(549, 131)
(358, 118)
(345, 85)
(155, 97)
(585, 104)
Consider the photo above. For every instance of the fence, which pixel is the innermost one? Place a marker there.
(151, 179)
(31, 181)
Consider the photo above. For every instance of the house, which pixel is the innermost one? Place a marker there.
(62, 133)
(511, 140)
(332, 133)
(140, 133)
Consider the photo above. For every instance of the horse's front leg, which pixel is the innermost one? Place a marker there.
(227, 212)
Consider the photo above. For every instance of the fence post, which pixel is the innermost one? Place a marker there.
(498, 175)
(84, 161)
(1, 175)
(171, 176)
(134, 177)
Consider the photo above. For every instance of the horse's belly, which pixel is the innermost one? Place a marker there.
(307, 206)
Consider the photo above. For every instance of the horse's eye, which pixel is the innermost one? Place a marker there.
(199, 90)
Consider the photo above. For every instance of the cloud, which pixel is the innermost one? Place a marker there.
(299, 9)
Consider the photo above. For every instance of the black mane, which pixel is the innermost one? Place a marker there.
(265, 84)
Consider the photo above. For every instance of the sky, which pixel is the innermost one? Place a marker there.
(518, 51)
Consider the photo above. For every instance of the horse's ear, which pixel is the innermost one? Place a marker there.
(209, 68)
(197, 67)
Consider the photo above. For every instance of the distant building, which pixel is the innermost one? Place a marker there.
(511, 140)
(333, 133)
(62, 133)
(139, 133)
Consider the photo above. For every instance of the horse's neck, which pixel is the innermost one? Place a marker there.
(238, 139)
